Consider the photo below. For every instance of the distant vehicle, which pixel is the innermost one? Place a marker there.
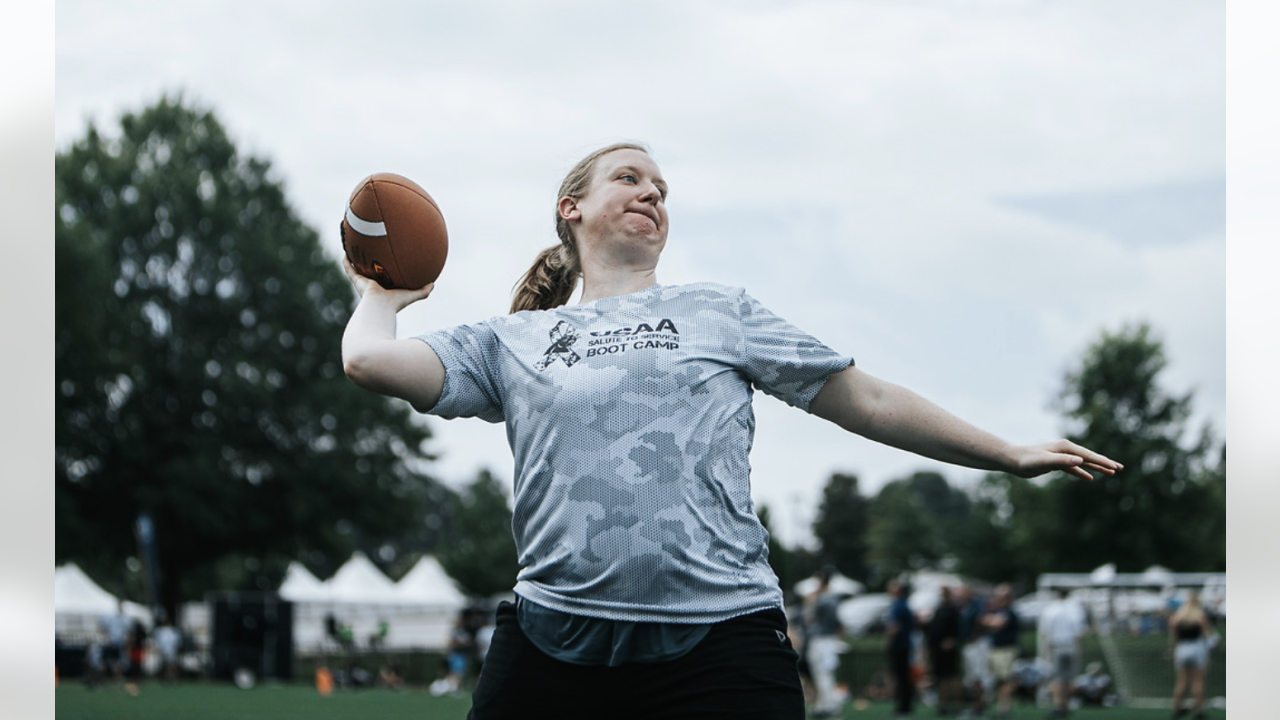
(864, 614)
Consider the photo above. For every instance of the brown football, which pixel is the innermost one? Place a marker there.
(394, 232)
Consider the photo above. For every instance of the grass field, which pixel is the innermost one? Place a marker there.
(271, 701)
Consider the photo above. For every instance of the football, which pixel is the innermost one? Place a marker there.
(393, 232)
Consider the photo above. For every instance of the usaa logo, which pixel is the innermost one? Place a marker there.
(664, 325)
(644, 336)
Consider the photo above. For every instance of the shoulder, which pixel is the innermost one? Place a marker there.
(702, 291)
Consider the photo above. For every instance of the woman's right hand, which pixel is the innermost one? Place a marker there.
(364, 284)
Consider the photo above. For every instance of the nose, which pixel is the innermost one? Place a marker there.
(651, 194)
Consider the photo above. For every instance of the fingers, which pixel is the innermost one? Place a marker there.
(1088, 458)
(360, 282)
(1070, 458)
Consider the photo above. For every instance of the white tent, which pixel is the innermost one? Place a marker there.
(418, 611)
(359, 581)
(428, 584)
(300, 585)
(79, 603)
(861, 613)
(839, 584)
(926, 590)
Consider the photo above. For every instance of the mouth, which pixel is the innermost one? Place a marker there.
(650, 213)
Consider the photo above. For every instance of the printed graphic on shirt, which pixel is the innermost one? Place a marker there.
(661, 336)
(563, 336)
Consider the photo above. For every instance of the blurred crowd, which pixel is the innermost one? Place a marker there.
(962, 655)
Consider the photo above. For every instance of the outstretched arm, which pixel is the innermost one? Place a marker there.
(375, 359)
(896, 416)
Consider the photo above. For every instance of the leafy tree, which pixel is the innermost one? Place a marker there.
(478, 550)
(999, 545)
(841, 527)
(947, 507)
(1167, 507)
(1148, 514)
(198, 367)
(902, 536)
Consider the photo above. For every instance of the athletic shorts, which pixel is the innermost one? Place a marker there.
(745, 668)
(1066, 664)
(1000, 659)
(1191, 654)
(975, 663)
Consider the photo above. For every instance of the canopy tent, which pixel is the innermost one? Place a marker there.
(428, 584)
(79, 603)
(1156, 577)
(416, 612)
(359, 581)
(299, 585)
(838, 584)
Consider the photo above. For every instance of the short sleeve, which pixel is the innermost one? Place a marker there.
(471, 389)
(782, 360)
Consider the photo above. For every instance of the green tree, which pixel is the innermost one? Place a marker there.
(916, 522)
(478, 550)
(1148, 514)
(1167, 507)
(902, 535)
(841, 527)
(999, 545)
(947, 507)
(199, 377)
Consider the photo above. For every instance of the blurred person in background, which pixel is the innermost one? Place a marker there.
(899, 628)
(943, 633)
(168, 640)
(976, 644)
(118, 629)
(823, 644)
(1002, 623)
(1093, 688)
(1191, 639)
(1061, 627)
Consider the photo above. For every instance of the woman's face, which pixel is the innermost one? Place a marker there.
(624, 206)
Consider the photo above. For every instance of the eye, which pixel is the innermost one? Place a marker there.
(628, 178)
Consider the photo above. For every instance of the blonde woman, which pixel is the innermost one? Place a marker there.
(1190, 641)
(645, 589)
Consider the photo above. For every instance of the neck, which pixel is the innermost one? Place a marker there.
(611, 279)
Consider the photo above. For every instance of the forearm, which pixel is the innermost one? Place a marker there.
(376, 360)
(371, 324)
(895, 416)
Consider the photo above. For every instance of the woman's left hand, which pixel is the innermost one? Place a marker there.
(1064, 455)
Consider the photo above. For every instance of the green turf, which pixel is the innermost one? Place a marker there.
(271, 701)
(210, 701)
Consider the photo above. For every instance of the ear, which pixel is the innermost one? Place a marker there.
(568, 208)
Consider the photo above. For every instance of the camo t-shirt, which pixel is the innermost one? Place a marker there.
(630, 422)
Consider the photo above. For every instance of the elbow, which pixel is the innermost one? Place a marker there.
(357, 367)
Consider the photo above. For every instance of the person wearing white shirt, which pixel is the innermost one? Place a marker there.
(1061, 626)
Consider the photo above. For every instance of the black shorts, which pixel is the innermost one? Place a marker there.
(744, 668)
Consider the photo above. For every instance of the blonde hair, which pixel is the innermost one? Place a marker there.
(553, 277)
(1189, 611)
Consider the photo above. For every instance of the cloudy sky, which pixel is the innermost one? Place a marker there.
(962, 194)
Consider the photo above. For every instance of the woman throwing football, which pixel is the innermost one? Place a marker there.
(645, 589)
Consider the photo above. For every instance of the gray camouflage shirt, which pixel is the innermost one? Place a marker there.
(630, 422)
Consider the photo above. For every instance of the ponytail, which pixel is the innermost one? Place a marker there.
(550, 282)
